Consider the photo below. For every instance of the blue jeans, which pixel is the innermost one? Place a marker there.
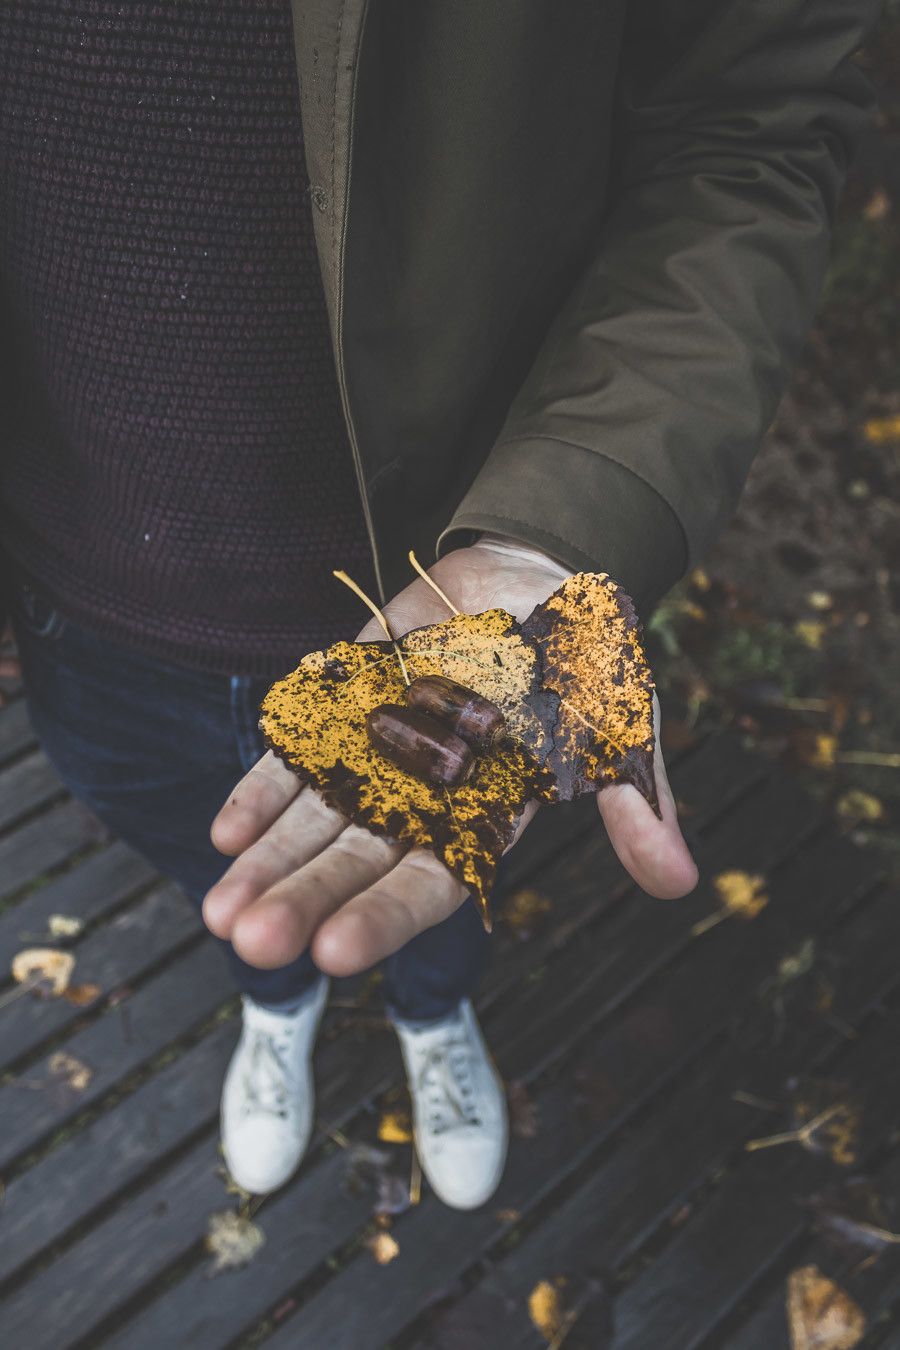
(154, 750)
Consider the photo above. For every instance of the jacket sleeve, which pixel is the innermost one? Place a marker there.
(628, 444)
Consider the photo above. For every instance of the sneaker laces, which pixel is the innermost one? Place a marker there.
(266, 1075)
(445, 1080)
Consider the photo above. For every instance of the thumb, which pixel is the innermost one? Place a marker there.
(652, 851)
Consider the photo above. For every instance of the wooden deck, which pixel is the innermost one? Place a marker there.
(629, 1187)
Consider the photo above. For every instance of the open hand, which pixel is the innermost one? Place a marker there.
(304, 877)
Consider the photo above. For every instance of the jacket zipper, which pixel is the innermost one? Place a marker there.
(341, 366)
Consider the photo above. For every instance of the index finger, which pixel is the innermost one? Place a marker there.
(254, 805)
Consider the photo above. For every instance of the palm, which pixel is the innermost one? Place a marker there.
(304, 877)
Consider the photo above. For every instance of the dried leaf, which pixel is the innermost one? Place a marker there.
(741, 893)
(232, 1239)
(821, 1316)
(395, 1127)
(75, 1072)
(545, 1309)
(882, 430)
(523, 908)
(384, 1247)
(856, 807)
(64, 925)
(811, 632)
(820, 600)
(571, 681)
(79, 995)
(45, 967)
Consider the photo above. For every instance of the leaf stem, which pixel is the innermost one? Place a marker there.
(371, 605)
(431, 582)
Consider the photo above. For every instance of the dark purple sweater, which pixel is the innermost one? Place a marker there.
(175, 468)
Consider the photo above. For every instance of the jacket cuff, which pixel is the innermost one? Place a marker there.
(579, 506)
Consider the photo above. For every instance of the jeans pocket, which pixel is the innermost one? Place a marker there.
(37, 615)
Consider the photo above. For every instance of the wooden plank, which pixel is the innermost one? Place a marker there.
(648, 1060)
(94, 888)
(49, 840)
(16, 734)
(345, 1081)
(25, 786)
(750, 1222)
(663, 1162)
(126, 1038)
(117, 953)
(876, 1288)
(659, 1035)
(92, 1166)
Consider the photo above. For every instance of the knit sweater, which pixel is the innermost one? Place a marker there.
(174, 467)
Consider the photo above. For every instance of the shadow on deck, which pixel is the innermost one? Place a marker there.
(645, 1058)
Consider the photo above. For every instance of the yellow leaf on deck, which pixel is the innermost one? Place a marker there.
(64, 925)
(545, 1309)
(811, 632)
(39, 965)
(74, 1071)
(741, 893)
(232, 1239)
(855, 807)
(395, 1128)
(384, 1247)
(882, 430)
(821, 1315)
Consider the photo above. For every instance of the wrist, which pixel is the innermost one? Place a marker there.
(509, 547)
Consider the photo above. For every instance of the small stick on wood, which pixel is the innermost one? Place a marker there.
(415, 1180)
(886, 759)
(431, 582)
(798, 1136)
(371, 605)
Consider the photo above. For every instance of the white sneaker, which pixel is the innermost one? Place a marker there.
(459, 1113)
(268, 1095)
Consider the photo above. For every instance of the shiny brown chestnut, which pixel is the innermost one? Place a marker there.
(478, 721)
(419, 744)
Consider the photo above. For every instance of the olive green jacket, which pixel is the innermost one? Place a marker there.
(571, 249)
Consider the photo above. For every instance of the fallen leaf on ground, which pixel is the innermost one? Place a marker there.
(44, 968)
(232, 1240)
(811, 632)
(395, 1127)
(740, 894)
(384, 1247)
(821, 1315)
(857, 807)
(545, 1309)
(882, 430)
(75, 1072)
(523, 908)
(572, 683)
(79, 995)
(64, 925)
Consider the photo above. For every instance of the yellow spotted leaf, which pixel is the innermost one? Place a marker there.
(571, 681)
